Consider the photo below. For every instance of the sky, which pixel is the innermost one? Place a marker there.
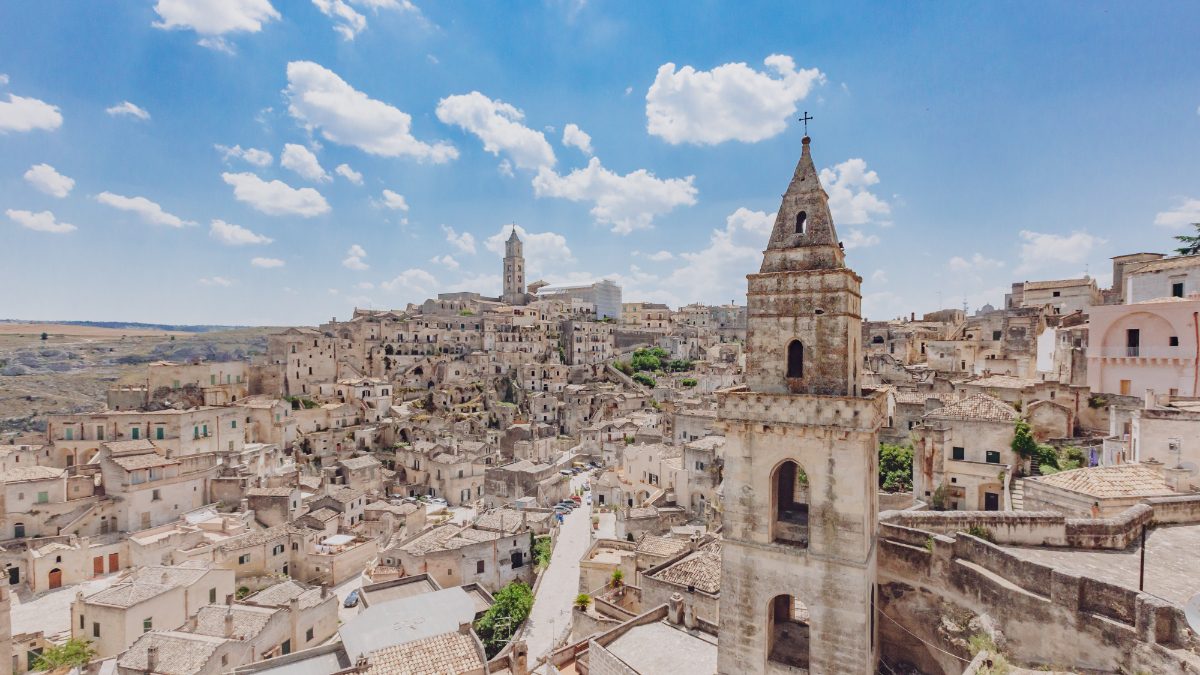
(261, 162)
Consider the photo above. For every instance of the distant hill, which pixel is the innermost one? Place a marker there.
(133, 325)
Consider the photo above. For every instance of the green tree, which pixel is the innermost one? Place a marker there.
(1191, 242)
(645, 379)
(45, 336)
(895, 467)
(617, 579)
(688, 382)
(1023, 442)
(511, 608)
(73, 652)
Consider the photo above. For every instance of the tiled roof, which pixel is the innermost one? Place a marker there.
(910, 397)
(23, 473)
(1002, 382)
(281, 594)
(701, 569)
(254, 538)
(139, 445)
(178, 653)
(365, 462)
(445, 653)
(504, 520)
(171, 575)
(142, 461)
(1110, 482)
(128, 594)
(248, 622)
(664, 547)
(1060, 283)
(976, 407)
(323, 514)
(1176, 262)
(344, 494)
(269, 492)
(446, 538)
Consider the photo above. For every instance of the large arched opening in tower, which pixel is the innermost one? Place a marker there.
(789, 504)
(788, 631)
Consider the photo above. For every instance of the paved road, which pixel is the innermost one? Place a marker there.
(50, 611)
(550, 619)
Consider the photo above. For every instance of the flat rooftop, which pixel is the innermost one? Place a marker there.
(662, 649)
(1170, 562)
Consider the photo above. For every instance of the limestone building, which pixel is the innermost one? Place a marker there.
(799, 556)
(514, 270)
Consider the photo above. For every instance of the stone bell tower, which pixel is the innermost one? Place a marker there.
(801, 459)
(514, 270)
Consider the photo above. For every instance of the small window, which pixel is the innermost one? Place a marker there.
(212, 596)
(308, 635)
(147, 624)
(1173, 341)
(243, 558)
(158, 433)
(479, 567)
(1057, 294)
(43, 497)
(996, 335)
(801, 223)
(82, 625)
(155, 496)
(1177, 289)
(993, 456)
(95, 629)
(795, 359)
(959, 454)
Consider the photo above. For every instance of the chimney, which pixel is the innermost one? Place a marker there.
(229, 623)
(689, 616)
(151, 658)
(324, 591)
(675, 609)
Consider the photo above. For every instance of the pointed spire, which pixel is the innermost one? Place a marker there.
(513, 236)
(804, 237)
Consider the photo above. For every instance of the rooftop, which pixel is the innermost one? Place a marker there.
(976, 407)
(700, 570)
(23, 473)
(1110, 482)
(665, 547)
(178, 653)
(446, 653)
(406, 620)
(662, 649)
(248, 622)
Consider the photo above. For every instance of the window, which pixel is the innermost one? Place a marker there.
(243, 558)
(277, 549)
(206, 431)
(135, 433)
(95, 629)
(1177, 289)
(159, 433)
(958, 453)
(82, 625)
(308, 635)
(147, 624)
(1057, 293)
(212, 595)
(19, 530)
(155, 496)
(993, 456)
(99, 433)
(795, 359)
(70, 433)
(789, 487)
(286, 647)
(996, 334)
(233, 424)
(43, 497)
(801, 222)
(1173, 341)
(479, 567)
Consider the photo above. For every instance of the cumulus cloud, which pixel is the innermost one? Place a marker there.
(42, 221)
(505, 168)
(145, 209)
(484, 283)
(212, 19)
(354, 259)
(393, 201)
(498, 125)
(28, 114)
(858, 239)
(542, 249)
(349, 174)
(575, 137)
(717, 273)
(627, 203)
(732, 102)
(3, 79)
(464, 242)
(235, 235)
(415, 283)
(302, 161)
(266, 263)
(661, 256)
(348, 22)
(319, 99)
(276, 198)
(1041, 250)
(977, 262)
(127, 109)
(850, 200)
(1185, 213)
(46, 179)
(254, 156)
(215, 281)
(446, 261)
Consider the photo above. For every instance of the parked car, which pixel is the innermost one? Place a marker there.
(565, 472)
(576, 499)
(352, 599)
(437, 501)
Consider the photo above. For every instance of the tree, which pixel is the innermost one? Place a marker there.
(895, 467)
(511, 608)
(1023, 442)
(1191, 242)
(73, 652)
(45, 336)
(642, 378)
(582, 601)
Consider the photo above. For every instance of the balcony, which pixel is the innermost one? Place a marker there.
(1144, 353)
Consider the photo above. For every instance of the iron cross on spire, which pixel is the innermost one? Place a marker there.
(805, 119)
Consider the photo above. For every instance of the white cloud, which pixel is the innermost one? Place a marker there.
(27, 114)
(147, 210)
(857, 239)
(464, 242)
(254, 156)
(717, 273)
(498, 125)
(505, 168)
(349, 174)
(393, 201)
(879, 277)
(42, 221)
(354, 259)
(322, 100)
(732, 102)
(276, 198)
(850, 200)
(1040, 250)
(977, 262)
(3, 79)
(1184, 214)
(542, 249)
(578, 138)
(484, 283)
(45, 178)
(661, 256)
(347, 22)
(415, 283)
(266, 263)
(129, 110)
(627, 203)
(235, 235)
(216, 281)
(302, 161)
(365, 286)
(446, 261)
(211, 19)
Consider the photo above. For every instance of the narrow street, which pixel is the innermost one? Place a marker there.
(550, 619)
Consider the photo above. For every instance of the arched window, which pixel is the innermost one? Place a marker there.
(795, 359)
(788, 634)
(801, 223)
(789, 505)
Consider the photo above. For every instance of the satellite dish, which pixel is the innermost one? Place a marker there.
(1192, 611)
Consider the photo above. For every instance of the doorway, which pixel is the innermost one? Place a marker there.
(114, 562)
(55, 578)
(991, 501)
(97, 565)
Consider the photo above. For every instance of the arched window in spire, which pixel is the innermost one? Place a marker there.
(801, 223)
(795, 359)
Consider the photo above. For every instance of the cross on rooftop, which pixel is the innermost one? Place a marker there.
(805, 119)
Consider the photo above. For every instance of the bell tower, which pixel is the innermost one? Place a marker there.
(801, 459)
(514, 270)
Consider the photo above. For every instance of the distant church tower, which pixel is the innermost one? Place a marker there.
(514, 270)
(801, 454)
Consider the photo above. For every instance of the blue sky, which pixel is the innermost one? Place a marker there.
(270, 162)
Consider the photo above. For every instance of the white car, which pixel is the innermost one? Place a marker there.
(437, 501)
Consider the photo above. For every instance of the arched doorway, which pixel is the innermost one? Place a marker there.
(788, 631)
(789, 504)
(795, 360)
(55, 580)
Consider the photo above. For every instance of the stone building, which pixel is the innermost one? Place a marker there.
(799, 555)
(514, 270)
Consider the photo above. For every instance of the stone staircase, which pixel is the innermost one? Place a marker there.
(1018, 494)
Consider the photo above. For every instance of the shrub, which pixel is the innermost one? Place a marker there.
(938, 500)
(617, 579)
(541, 552)
(75, 652)
(642, 378)
(242, 592)
(45, 336)
(624, 367)
(688, 382)
(501, 620)
(981, 532)
(1023, 442)
(895, 467)
(582, 601)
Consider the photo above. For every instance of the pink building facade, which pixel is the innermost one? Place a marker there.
(1147, 345)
